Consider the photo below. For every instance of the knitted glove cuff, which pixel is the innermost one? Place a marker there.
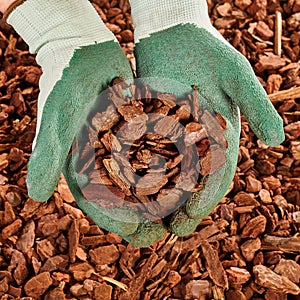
(151, 16)
(40, 22)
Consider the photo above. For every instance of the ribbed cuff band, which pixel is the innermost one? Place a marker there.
(150, 16)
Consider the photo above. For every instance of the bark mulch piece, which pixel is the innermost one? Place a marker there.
(249, 246)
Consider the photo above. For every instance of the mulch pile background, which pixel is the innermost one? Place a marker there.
(248, 248)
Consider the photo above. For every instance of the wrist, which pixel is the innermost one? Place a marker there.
(150, 16)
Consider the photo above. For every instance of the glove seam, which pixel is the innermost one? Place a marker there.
(11, 8)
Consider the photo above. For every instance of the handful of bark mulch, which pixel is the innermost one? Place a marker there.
(148, 150)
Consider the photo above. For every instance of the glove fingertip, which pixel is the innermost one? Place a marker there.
(181, 224)
(37, 192)
(41, 179)
(146, 234)
(271, 134)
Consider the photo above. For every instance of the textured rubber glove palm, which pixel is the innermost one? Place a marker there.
(79, 57)
(175, 40)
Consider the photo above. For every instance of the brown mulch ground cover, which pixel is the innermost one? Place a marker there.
(248, 248)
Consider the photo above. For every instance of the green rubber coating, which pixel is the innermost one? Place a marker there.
(227, 83)
(146, 234)
(89, 72)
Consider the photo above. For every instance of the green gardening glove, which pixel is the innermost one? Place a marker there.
(79, 56)
(175, 40)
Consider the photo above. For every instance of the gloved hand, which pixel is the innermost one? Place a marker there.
(175, 40)
(79, 56)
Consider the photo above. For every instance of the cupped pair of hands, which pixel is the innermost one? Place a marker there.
(186, 54)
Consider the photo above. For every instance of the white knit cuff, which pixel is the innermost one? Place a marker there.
(150, 16)
(40, 21)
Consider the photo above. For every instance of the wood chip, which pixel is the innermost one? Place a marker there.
(38, 285)
(269, 279)
(214, 267)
